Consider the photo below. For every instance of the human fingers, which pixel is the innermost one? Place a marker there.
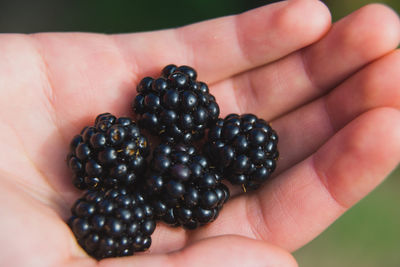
(296, 206)
(222, 47)
(304, 130)
(284, 85)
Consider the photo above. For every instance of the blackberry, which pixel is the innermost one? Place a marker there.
(111, 153)
(175, 105)
(185, 191)
(243, 148)
(112, 223)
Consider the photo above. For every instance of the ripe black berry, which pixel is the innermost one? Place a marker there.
(175, 105)
(112, 223)
(111, 153)
(243, 148)
(185, 191)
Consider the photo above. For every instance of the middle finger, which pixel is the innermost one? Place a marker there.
(279, 87)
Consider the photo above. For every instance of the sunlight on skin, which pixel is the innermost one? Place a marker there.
(329, 91)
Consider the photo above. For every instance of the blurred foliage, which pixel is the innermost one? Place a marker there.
(26, 16)
(111, 16)
(340, 8)
(367, 235)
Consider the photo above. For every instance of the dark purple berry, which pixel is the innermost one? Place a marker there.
(180, 181)
(175, 106)
(244, 148)
(113, 153)
(112, 223)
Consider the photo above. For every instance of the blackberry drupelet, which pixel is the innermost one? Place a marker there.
(175, 105)
(184, 190)
(111, 153)
(243, 148)
(112, 223)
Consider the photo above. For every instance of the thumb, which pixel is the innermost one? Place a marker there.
(217, 251)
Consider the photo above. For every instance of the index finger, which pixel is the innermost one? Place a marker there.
(223, 47)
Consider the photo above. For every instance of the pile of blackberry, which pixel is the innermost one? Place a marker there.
(114, 217)
(182, 183)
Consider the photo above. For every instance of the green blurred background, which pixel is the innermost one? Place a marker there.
(368, 235)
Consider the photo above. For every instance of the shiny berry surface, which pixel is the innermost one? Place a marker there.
(111, 153)
(112, 223)
(175, 106)
(181, 182)
(244, 148)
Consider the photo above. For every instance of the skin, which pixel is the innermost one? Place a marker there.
(330, 91)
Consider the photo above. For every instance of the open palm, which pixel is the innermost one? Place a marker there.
(329, 91)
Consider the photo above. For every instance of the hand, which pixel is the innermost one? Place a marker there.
(331, 92)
